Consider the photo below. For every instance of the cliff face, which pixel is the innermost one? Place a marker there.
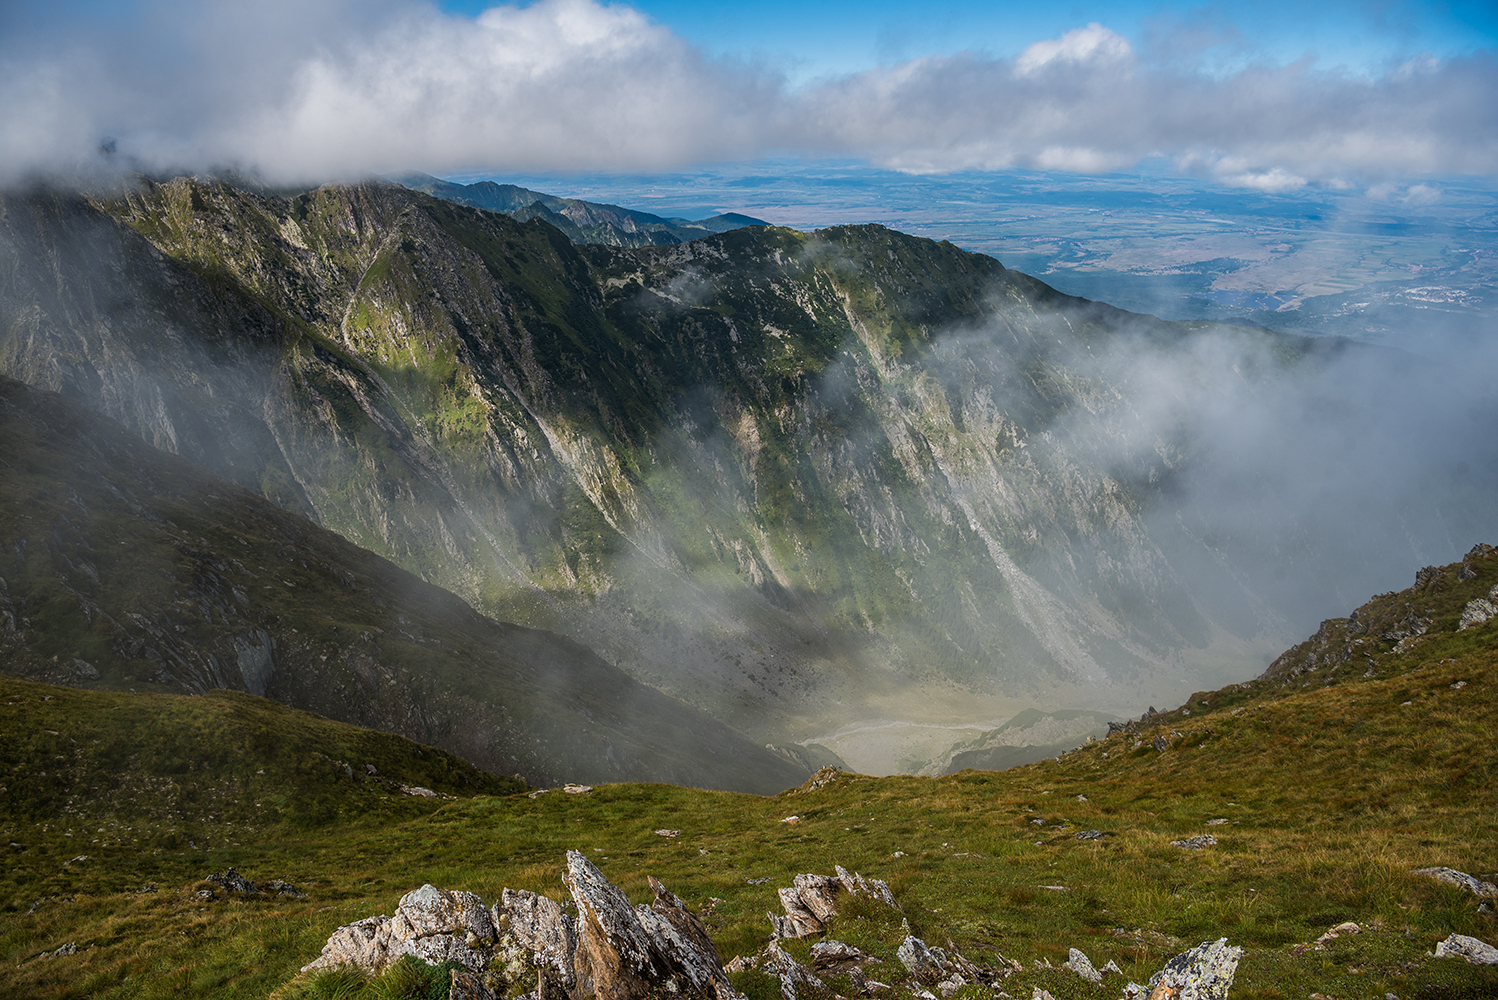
(778, 475)
(124, 567)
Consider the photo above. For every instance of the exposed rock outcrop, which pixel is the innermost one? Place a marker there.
(1469, 948)
(611, 951)
(1195, 843)
(1451, 876)
(811, 901)
(1203, 973)
(432, 924)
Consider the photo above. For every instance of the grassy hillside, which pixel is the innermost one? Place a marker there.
(1330, 794)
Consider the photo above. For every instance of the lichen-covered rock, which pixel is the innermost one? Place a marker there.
(825, 953)
(432, 924)
(1078, 962)
(613, 960)
(467, 986)
(359, 944)
(1476, 613)
(790, 972)
(812, 901)
(925, 964)
(611, 951)
(1451, 876)
(541, 928)
(1203, 973)
(1469, 948)
(680, 940)
(232, 881)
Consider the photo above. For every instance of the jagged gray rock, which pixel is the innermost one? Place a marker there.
(232, 881)
(1451, 876)
(1079, 963)
(681, 940)
(1195, 843)
(791, 973)
(924, 964)
(540, 928)
(1477, 612)
(612, 951)
(811, 901)
(825, 953)
(1469, 948)
(432, 924)
(1202, 973)
(613, 959)
(872, 888)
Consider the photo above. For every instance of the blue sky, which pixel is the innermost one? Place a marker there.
(811, 39)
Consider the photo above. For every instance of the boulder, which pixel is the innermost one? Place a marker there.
(432, 924)
(1451, 876)
(1078, 962)
(1195, 843)
(812, 901)
(1470, 948)
(542, 930)
(1203, 973)
(1476, 613)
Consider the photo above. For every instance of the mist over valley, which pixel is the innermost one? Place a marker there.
(847, 490)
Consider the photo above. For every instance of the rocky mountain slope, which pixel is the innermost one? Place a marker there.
(788, 478)
(582, 221)
(124, 567)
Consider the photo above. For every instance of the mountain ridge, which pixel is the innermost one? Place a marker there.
(581, 221)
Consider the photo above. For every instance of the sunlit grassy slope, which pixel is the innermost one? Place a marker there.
(1332, 793)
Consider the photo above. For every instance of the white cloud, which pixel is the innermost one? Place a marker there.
(1422, 194)
(1273, 180)
(385, 85)
(1092, 44)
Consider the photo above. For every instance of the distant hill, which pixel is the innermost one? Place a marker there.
(128, 568)
(582, 221)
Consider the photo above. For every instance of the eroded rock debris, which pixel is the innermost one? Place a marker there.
(600, 947)
(609, 951)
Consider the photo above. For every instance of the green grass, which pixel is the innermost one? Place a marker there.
(1332, 796)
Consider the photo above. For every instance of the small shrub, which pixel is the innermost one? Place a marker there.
(412, 979)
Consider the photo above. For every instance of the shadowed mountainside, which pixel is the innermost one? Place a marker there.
(125, 567)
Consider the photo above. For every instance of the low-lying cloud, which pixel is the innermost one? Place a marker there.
(330, 89)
